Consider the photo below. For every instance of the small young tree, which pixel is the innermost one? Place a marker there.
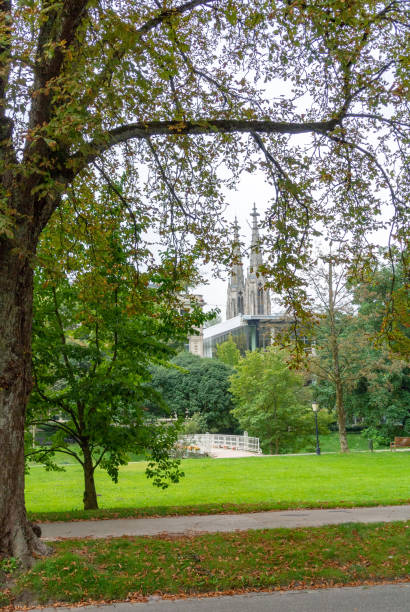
(272, 402)
(97, 327)
(89, 372)
(228, 352)
(355, 372)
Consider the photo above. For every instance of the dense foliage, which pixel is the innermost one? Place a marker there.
(272, 403)
(198, 385)
(381, 398)
(376, 383)
(228, 352)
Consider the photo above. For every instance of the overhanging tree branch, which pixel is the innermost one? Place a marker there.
(172, 12)
(58, 425)
(144, 130)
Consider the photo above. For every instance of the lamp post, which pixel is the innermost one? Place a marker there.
(315, 408)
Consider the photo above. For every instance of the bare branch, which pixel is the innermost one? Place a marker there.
(57, 425)
(62, 337)
(97, 463)
(59, 449)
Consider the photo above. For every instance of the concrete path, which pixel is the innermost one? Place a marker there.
(380, 598)
(222, 522)
(228, 453)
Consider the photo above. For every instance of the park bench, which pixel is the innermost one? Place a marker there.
(400, 443)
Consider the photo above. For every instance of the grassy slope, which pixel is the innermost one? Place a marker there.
(257, 482)
(254, 560)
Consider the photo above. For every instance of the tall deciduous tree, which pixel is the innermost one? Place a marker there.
(87, 87)
(271, 401)
(329, 360)
(355, 368)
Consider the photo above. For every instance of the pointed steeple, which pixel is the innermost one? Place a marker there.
(256, 255)
(236, 285)
(257, 300)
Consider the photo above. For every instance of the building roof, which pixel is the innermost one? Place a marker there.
(239, 320)
(224, 327)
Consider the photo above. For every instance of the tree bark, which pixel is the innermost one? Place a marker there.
(16, 298)
(341, 415)
(90, 494)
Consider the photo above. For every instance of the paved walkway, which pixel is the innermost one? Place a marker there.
(222, 522)
(228, 453)
(379, 598)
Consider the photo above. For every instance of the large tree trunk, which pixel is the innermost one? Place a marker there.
(16, 298)
(90, 494)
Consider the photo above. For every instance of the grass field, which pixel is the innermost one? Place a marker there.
(331, 443)
(133, 568)
(210, 485)
(328, 444)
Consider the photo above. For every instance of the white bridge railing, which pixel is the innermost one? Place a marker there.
(206, 442)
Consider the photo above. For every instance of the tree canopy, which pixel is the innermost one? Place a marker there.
(151, 84)
(228, 352)
(271, 401)
(198, 385)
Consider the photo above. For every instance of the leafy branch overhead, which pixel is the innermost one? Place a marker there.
(186, 72)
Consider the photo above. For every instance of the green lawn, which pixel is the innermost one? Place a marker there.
(133, 568)
(331, 444)
(215, 485)
(328, 444)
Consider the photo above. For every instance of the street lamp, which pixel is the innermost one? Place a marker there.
(315, 408)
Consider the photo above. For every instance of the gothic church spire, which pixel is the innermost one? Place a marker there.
(257, 298)
(256, 254)
(236, 285)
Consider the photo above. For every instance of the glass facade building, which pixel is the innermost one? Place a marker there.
(248, 331)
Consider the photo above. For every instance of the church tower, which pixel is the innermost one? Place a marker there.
(236, 285)
(257, 298)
